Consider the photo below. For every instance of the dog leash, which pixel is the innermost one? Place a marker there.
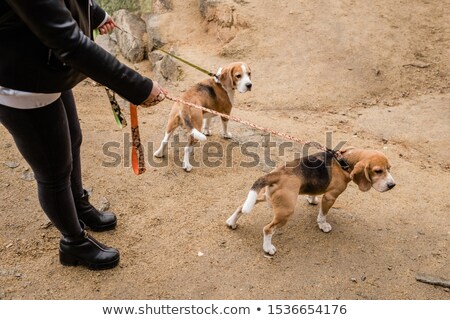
(137, 152)
(120, 119)
(211, 74)
(336, 154)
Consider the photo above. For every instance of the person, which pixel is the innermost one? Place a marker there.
(46, 49)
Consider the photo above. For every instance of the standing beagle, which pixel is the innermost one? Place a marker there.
(214, 93)
(314, 175)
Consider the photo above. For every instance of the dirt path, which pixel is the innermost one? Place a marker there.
(375, 75)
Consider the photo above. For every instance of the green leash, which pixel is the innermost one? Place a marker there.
(190, 64)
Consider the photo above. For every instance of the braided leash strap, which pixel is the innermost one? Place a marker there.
(120, 119)
(137, 153)
(314, 144)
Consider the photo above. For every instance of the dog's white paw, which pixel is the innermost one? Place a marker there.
(270, 249)
(187, 167)
(206, 132)
(313, 200)
(227, 135)
(325, 226)
(231, 223)
(159, 153)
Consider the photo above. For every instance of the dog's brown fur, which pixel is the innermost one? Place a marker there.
(314, 175)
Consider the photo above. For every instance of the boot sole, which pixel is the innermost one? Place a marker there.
(105, 227)
(67, 260)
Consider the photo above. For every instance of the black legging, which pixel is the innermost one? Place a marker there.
(49, 139)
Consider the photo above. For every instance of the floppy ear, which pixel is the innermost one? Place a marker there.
(226, 78)
(360, 176)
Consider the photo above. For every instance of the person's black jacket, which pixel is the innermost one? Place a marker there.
(46, 47)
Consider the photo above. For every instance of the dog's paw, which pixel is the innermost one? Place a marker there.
(187, 167)
(314, 200)
(231, 223)
(159, 154)
(227, 135)
(270, 249)
(206, 132)
(324, 226)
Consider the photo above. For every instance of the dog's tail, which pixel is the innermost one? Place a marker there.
(192, 131)
(267, 180)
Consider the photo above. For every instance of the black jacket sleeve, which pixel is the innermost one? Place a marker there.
(98, 15)
(52, 22)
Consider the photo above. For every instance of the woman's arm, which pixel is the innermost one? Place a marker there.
(52, 22)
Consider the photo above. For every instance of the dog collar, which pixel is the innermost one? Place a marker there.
(340, 160)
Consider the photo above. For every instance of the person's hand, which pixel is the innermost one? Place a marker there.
(107, 27)
(157, 95)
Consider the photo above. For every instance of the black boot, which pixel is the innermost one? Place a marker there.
(85, 250)
(91, 217)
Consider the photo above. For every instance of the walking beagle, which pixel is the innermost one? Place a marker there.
(314, 175)
(214, 93)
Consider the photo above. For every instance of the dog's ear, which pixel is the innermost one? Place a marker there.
(360, 175)
(226, 78)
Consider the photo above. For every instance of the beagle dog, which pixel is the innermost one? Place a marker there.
(314, 175)
(214, 93)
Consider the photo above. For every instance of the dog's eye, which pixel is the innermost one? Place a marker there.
(249, 74)
(378, 171)
(238, 76)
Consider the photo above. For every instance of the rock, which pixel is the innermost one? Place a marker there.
(28, 175)
(162, 6)
(153, 35)
(108, 42)
(46, 225)
(104, 204)
(154, 57)
(223, 17)
(130, 38)
(213, 10)
(169, 69)
(165, 66)
(11, 164)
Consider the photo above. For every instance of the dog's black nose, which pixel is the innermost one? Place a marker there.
(390, 185)
(249, 85)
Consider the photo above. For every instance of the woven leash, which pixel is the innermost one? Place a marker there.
(137, 152)
(317, 145)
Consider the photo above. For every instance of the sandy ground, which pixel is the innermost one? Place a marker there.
(375, 74)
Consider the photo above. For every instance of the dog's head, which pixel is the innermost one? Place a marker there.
(236, 76)
(373, 170)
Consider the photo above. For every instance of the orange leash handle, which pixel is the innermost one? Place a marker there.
(137, 152)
